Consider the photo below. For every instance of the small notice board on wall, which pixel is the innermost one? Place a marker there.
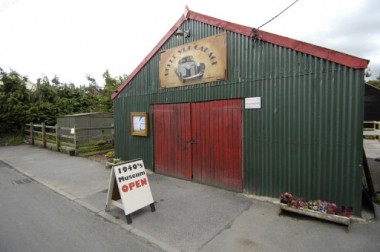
(253, 103)
(129, 183)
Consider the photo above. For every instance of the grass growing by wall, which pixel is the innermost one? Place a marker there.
(11, 140)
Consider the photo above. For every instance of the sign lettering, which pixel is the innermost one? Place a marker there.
(133, 185)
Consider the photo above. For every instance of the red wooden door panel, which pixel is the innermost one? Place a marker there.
(172, 135)
(216, 133)
(200, 141)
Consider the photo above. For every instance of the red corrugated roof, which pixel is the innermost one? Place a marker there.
(317, 51)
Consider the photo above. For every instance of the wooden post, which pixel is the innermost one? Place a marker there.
(31, 133)
(113, 135)
(43, 129)
(57, 137)
(367, 173)
(75, 140)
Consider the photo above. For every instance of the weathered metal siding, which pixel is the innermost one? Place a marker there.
(306, 138)
(87, 120)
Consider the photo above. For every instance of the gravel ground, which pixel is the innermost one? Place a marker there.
(98, 158)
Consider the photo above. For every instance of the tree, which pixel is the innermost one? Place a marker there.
(53, 99)
(14, 102)
(110, 85)
(50, 99)
(375, 83)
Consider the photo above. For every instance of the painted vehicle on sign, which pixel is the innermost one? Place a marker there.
(188, 70)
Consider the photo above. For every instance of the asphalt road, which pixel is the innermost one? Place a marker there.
(34, 218)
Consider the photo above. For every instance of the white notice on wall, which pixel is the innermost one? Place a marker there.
(139, 123)
(253, 103)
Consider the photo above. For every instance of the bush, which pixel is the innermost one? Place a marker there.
(376, 199)
(110, 154)
(11, 140)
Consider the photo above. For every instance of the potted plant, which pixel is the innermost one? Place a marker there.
(110, 156)
(330, 208)
(376, 205)
(348, 212)
(111, 159)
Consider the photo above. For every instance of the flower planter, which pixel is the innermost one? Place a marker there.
(109, 165)
(319, 215)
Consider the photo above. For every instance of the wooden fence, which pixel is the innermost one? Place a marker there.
(372, 129)
(69, 140)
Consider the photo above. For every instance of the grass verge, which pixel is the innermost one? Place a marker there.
(11, 140)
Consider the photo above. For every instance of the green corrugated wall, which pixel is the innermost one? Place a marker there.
(305, 139)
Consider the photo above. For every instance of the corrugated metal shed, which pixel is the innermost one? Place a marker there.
(307, 136)
(372, 103)
(87, 120)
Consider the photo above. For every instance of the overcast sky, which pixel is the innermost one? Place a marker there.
(75, 38)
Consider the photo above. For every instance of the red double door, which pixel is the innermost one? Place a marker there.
(200, 142)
